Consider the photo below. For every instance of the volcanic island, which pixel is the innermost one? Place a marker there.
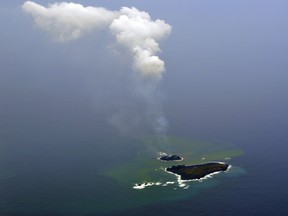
(191, 172)
(171, 158)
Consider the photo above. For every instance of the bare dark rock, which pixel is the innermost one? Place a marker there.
(171, 158)
(197, 171)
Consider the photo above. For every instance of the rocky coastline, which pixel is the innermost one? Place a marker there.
(197, 171)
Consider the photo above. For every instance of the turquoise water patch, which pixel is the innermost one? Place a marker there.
(145, 167)
(161, 186)
(91, 178)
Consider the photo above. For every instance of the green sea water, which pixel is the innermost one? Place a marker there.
(82, 178)
(145, 167)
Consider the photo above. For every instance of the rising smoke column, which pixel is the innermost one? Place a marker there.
(133, 29)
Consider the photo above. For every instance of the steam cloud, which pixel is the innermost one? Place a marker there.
(133, 29)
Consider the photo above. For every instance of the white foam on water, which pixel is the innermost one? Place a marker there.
(229, 168)
(149, 184)
(181, 183)
(168, 183)
(146, 184)
(162, 153)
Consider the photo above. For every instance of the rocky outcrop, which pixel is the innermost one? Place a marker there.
(197, 171)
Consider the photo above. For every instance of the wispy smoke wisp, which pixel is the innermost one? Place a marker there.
(133, 29)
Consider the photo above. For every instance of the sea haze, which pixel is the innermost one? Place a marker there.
(225, 82)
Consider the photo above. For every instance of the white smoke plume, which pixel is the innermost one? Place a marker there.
(68, 21)
(133, 29)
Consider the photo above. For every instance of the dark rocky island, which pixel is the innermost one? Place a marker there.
(197, 171)
(171, 158)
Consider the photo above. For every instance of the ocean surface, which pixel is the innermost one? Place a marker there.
(226, 82)
(57, 169)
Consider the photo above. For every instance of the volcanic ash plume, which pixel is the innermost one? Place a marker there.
(133, 29)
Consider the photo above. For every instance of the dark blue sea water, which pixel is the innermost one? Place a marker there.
(54, 168)
(226, 81)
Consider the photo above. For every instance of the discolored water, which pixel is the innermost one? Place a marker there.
(77, 177)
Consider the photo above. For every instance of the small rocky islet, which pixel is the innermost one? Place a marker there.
(171, 158)
(191, 172)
